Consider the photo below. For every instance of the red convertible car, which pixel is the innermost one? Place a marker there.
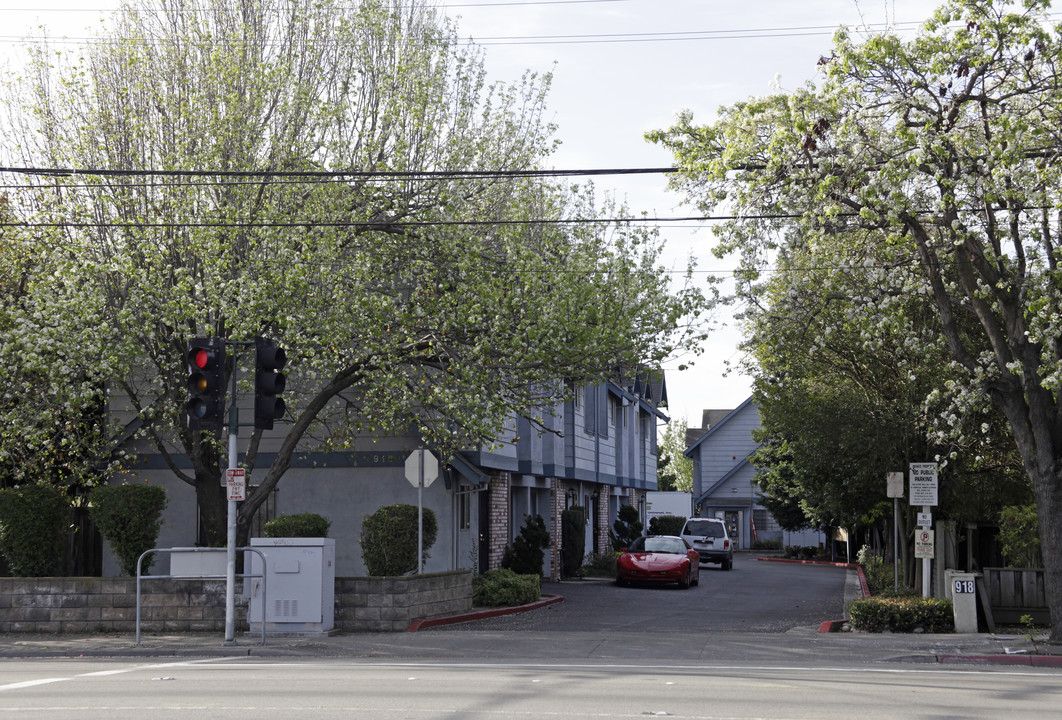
(659, 558)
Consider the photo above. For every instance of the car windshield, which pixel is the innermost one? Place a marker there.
(704, 528)
(659, 545)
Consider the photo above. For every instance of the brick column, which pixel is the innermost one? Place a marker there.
(499, 519)
(602, 519)
(556, 504)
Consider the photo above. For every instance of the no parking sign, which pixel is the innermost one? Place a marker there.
(923, 543)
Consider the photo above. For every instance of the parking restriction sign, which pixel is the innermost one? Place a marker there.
(923, 543)
(236, 482)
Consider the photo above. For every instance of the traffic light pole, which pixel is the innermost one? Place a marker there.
(230, 554)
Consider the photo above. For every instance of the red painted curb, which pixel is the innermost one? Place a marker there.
(481, 614)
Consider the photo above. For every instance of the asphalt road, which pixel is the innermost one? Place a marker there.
(756, 596)
(312, 688)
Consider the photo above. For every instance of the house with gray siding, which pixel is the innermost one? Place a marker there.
(724, 479)
(598, 450)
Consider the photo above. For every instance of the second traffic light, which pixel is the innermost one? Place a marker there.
(269, 382)
(206, 383)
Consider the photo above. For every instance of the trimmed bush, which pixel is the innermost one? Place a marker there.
(573, 540)
(525, 556)
(504, 588)
(301, 525)
(389, 539)
(902, 614)
(601, 565)
(34, 522)
(627, 527)
(666, 525)
(129, 517)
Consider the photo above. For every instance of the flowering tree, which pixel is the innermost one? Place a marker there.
(675, 470)
(934, 164)
(339, 177)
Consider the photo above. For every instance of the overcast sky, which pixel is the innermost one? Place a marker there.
(622, 68)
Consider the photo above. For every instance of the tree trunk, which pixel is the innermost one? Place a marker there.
(1037, 425)
(212, 501)
(1047, 488)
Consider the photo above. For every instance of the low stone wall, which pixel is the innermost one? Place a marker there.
(71, 605)
(80, 604)
(390, 604)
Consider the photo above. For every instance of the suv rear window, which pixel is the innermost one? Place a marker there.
(704, 528)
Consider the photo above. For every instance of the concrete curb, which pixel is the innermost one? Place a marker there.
(481, 614)
(1016, 659)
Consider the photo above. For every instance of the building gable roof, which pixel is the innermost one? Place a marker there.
(712, 430)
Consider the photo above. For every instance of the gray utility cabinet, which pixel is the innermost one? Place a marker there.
(299, 588)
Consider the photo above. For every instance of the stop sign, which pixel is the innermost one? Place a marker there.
(418, 461)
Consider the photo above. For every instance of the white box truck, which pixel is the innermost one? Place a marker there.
(667, 502)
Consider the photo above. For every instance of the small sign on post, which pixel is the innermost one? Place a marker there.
(236, 482)
(894, 485)
(924, 543)
(421, 470)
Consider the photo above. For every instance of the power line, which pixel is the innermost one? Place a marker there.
(380, 224)
(357, 174)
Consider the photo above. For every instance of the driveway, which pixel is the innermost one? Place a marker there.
(756, 596)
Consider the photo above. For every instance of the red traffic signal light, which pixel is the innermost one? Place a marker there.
(205, 407)
(269, 382)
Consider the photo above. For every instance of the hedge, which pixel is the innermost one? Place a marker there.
(504, 588)
(902, 614)
(34, 521)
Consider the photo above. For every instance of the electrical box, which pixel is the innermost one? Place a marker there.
(298, 595)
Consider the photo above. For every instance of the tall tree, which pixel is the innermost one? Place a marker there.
(338, 176)
(675, 470)
(942, 153)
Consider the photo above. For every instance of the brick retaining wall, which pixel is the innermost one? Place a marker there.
(74, 605)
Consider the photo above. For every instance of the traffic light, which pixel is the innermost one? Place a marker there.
(269, 382)
(206, 383)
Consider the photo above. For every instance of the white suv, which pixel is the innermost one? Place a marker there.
(709, 538)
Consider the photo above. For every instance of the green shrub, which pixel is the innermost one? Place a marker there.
(129, 517)
(573, 540)
(767, 544)
(34, 523)
(389, 539)
(504, 588)
(627, 527)
(601, 565)
(302, 525)
(525, 556)
(902, 614)
(666, 525)
(1019, 536)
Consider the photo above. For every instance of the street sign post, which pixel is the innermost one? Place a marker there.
(894, 490)
(421, 470)
(924, 493)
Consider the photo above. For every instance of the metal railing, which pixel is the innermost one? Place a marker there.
(140, 576)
